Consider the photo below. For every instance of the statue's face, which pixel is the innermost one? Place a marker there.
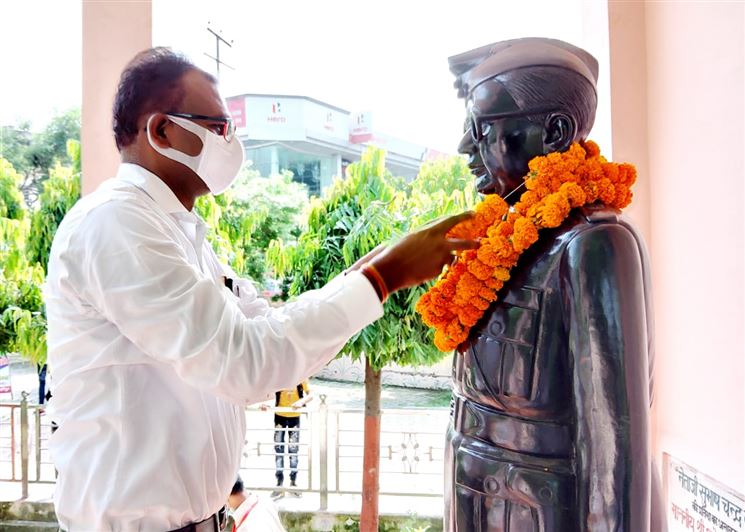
(500, 141)
(468, 147)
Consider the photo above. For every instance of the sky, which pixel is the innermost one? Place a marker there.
(386, 57)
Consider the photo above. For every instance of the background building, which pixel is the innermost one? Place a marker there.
(314, 140)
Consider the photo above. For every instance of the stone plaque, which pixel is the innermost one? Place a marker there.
(697, 502)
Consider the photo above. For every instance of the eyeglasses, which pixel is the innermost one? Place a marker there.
(224, 127)
(480, 125)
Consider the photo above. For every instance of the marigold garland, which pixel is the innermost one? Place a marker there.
(556, 184)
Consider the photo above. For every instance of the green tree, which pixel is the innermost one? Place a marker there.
(34, 154)
(247, 218)
(22, 323)
(50, 145)
(59, 193)
(357, 214)
(268, 208)
(25, 241)
(15, 144)
(11, 200)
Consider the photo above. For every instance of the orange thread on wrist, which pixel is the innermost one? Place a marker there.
(373, 275)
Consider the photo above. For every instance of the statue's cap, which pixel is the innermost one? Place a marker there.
(476, 66)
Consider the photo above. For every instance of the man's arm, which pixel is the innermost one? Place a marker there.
(177, 315)
(304, 400)
(607, 331)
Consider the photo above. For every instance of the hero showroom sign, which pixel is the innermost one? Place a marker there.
(276, 115)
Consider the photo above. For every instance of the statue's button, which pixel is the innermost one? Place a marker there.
(496, 327)
(546, 494)
(491, 486)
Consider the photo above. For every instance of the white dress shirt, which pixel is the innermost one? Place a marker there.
(154, 358)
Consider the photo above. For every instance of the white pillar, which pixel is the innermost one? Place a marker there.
(274, 158)
(337, 164)
(113, 32)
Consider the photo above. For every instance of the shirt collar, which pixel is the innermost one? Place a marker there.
(152, 185)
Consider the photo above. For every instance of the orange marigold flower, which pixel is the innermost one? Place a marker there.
(454, 329)
(443, 342)
(469, 318)
(612, 171)
(479, 303)
(591, 192)
(501, 229)
(525, 234)
(553, 210)
(627, 174)
(607, 191)
(591, 149)
(488, 294)
(574, 194)
(623, 198)
(527, 199)
(448, 290)
(472, 314)
(480, 270)
(487, 254)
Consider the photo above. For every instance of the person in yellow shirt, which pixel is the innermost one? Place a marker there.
(287, 428)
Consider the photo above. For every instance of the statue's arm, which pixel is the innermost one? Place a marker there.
(603, 289)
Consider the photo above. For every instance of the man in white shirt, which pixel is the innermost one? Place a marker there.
(155, 346)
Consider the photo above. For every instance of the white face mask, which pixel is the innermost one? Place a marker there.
(217, 164)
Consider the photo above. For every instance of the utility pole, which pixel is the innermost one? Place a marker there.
(218, 40)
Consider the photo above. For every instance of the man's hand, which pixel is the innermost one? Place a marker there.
(263, 407)
(367, 258)
(421, 255)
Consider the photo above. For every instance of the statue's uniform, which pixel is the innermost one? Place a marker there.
(550, 417)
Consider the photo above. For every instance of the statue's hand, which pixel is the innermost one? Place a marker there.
(421, 255)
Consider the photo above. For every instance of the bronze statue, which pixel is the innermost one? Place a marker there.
(550, 429)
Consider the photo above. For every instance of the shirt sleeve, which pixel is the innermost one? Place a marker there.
(139, 278)
(246, 295)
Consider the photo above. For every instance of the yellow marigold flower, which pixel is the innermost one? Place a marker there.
(503, 274)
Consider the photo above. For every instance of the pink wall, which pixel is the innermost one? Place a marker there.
(678, 90)
(627, 43)
(113, 32)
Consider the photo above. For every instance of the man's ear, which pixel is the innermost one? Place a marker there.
(558, 132)
(156, 128)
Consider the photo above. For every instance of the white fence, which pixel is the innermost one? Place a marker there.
(329, 455)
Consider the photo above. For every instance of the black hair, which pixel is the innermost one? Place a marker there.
(237, 487)
(555, 88)
(149, 83)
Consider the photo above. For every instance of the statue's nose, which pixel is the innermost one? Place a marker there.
(466, 145)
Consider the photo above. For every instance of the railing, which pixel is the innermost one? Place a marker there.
(330, 450)
(24, 453)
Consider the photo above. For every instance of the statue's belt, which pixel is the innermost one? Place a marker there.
(534, 437)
